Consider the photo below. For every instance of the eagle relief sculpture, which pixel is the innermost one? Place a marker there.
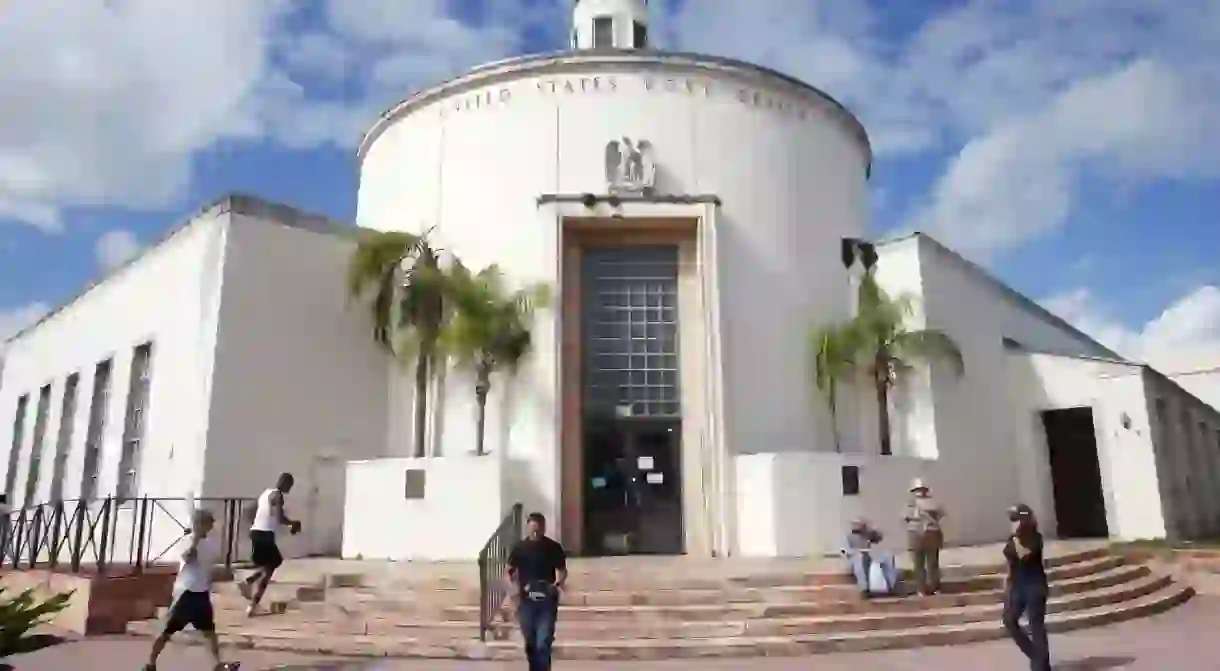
(630, 167)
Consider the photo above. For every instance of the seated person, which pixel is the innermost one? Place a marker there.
(863, 556)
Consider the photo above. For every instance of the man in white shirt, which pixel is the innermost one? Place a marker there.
(264, 551)
(192, 605)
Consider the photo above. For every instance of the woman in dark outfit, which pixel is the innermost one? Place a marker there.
(1026, 588)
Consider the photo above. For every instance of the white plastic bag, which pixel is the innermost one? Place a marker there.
(877, 584)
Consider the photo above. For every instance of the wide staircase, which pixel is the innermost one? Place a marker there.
(650, 608)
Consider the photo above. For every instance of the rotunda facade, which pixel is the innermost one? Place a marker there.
(689, 210)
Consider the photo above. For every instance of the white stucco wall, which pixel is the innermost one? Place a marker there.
(1187, 435)
(1131, 472)
(462, 505)
(792, 504)
(964, 423)
(472, 157)
(1196, 372)
(298, 386)
(165, 297)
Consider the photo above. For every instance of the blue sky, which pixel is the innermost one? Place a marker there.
(1072, 146)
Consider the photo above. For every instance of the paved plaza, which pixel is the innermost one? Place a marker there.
(1182, 640)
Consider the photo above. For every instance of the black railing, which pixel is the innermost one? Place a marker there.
(114, 534)
(493, 567)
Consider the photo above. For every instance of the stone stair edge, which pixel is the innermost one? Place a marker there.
(1126, 591)
(326, 579)
(1109, 577)
(839, 580)
(389, 646)
(931, 618)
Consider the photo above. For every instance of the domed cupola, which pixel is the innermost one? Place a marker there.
(610, 24)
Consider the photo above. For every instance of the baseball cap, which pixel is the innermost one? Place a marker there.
(1019, 512)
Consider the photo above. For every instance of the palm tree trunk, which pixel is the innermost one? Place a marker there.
(834, 418)
(883, 415)
(481, 387)
(422, 373)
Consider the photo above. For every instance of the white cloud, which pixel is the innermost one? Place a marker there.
(13, 320)
(1024, 96)
(105, 102)
(1185, 333)
(114, 248)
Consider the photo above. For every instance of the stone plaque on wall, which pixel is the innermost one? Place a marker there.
(416, 480)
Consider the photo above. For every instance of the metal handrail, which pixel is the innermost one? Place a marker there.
(83, 534)
(493, 565)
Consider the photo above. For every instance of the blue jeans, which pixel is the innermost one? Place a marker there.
(1029, 599)
(537, 620)
(861, 564)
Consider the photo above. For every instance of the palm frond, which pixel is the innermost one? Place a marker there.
(929, 345)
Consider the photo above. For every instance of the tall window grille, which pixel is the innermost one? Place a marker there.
(133, 426)
(99, 405)
(63, 441)
(34, 472)
(14, 452)
(630, 307)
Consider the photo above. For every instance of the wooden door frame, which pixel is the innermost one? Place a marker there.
(576, 235)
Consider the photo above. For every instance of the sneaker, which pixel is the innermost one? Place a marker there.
(149, 667)
(246, 590)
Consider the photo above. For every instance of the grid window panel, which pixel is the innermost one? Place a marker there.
(631, 330)
(34, 473)
(14, 453)
(99, 403)
(63, 443)
(133, 434)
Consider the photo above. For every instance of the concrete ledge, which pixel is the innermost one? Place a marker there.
(101, 604)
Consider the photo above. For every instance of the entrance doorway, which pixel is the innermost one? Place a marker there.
(630, 412)
(1080, 504)
(633, 502)
(324, 506)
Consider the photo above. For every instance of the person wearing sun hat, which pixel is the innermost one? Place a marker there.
(924, 536)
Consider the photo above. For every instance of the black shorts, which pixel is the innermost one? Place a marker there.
(264, 553)
(193, 609)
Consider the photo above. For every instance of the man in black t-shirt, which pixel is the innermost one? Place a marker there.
(537, 569)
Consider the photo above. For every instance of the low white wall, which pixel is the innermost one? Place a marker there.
(1116, 394)
(792, 504)
(462, 505)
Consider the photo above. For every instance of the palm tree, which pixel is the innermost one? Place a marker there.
(834, 350)
(489, 329)
(880, 342)
(402, 272)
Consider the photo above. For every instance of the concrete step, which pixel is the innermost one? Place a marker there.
(442, 600)
(374, 645)
(851, 604)
(295, 625)
(721, 610)
(637, 573)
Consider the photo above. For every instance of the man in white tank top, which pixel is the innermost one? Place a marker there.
(192, 604)
(264, 552)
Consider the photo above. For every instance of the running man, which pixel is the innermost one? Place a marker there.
(264, 552)
(192, 605)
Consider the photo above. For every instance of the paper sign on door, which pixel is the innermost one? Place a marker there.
(655, 478)
(645, 463)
